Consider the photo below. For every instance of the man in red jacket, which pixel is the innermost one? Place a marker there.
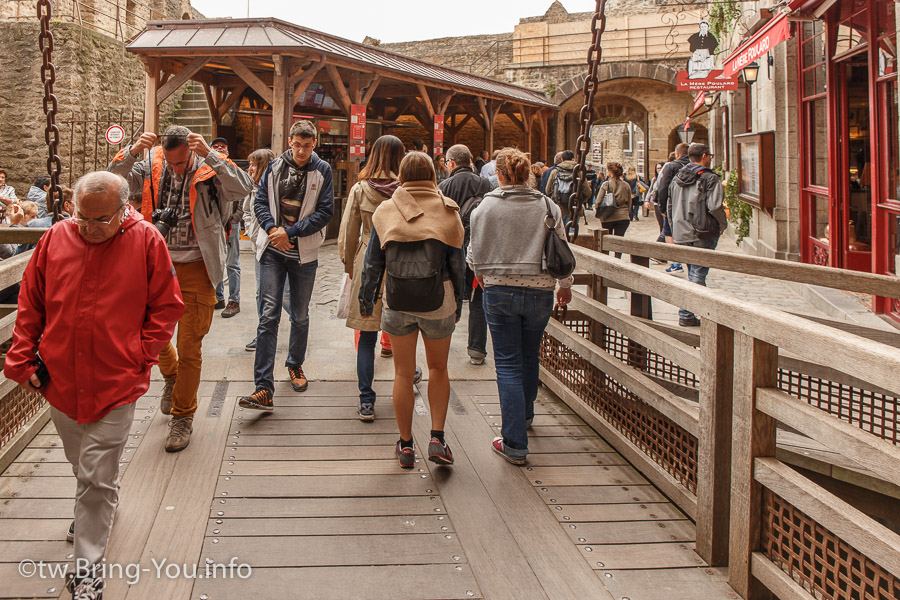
(86, 337)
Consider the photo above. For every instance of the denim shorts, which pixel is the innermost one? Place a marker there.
(400, 324)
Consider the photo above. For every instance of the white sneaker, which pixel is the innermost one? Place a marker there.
(476, 360)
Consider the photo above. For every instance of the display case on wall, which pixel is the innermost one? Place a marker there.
(756, 169)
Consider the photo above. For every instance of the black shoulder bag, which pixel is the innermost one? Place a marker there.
(560, 260)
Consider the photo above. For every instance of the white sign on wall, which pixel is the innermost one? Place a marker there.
(115, 134)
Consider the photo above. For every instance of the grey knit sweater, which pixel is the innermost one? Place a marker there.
(508, 232)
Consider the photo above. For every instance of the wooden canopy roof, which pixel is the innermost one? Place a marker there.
(265, 37)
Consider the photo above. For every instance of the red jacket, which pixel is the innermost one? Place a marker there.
(99, 314)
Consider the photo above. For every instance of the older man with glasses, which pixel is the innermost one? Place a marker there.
(188, 191)
(86, 340)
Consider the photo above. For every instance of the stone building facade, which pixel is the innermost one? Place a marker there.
(94, 76)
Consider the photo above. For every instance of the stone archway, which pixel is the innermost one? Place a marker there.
(643, 93)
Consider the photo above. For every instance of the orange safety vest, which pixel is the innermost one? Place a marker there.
(151, 184)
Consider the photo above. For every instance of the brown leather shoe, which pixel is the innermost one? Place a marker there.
(165, 399)
(298, 379)
(232, 309)
(180, 429)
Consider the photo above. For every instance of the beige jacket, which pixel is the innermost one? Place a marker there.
(353, 241)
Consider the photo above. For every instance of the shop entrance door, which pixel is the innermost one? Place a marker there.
(853, 205)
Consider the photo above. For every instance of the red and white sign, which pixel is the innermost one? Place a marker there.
(357, 132)
(115, 134)
(776, 31)
(714, 83)
(438, 134)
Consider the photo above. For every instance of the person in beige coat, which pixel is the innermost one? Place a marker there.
(377, 183)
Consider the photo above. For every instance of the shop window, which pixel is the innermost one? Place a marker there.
(892, 171)
(893, 243)
(819, 215)
(852, 29)
(817, 115)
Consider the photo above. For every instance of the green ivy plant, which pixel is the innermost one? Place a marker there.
(551, 89)
(740, 213)
(723, 18)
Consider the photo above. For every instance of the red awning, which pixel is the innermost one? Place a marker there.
(802, 5)
(776, 31)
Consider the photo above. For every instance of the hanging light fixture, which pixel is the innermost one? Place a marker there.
(709, 99)
(751, 73)
(686, 132)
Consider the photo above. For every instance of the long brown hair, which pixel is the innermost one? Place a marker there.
(387, 152)
(260, 159)
(615, 170)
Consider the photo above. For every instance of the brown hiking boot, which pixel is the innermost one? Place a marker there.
(298, 379)
(232, 309)
(165, 399)
(180, 429)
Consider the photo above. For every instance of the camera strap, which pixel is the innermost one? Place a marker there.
(184, 181)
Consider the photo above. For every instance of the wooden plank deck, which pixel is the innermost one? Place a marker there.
(314, 502)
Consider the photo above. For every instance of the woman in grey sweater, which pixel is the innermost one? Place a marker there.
(507, 255)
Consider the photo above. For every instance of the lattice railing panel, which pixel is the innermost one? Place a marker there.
(822, 563)
(669, 445)
(15, 409)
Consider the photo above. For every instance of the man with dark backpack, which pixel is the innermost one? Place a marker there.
(695, 209)
(467, 189)
(561, 185)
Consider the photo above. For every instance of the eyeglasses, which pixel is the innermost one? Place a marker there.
(218, 147)
(303, 146)
(96, 222)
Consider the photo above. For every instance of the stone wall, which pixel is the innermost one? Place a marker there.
(460, 52)
(93, 72)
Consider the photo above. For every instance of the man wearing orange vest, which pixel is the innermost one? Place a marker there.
(187, 190)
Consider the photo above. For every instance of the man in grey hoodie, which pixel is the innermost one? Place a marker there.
(695, 210)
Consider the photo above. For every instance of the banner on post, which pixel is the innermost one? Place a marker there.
(438, 134)
(357, 138)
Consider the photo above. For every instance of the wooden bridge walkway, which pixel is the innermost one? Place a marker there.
(314, 501)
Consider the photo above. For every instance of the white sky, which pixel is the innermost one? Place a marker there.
(392, 20)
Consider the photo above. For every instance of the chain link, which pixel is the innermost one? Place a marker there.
(586, 117)
(51, 133)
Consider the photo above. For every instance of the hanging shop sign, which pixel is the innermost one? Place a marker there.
(698, 100)
(438, 134)
(714, 83)
(776, 31)
(357, 132)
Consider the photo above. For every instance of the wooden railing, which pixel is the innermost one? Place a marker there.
(698, 415)
(21, 413)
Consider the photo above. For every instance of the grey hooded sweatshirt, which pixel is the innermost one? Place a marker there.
(695, 205)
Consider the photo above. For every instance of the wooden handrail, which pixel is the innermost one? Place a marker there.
(11, 269)
(21, 235)
(841, 279)
(795, 335)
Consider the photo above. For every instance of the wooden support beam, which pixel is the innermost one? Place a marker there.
(250, 78)
(755, 367)
(151, 107)
(426, 99)
(281, 114)
(180, 78)
(444, 103)
(213, 108)
(457, 126)
(516, 121)
(233, 97)
(299, 86)
(716, 376)
(298, 70)
(370, 90)
(342, 96)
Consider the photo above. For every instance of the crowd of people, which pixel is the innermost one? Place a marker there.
(420, 238)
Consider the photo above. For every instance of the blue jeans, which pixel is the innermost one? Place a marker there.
(365, 365)
(517, 317)
(697, 274)
(286, 302)
(274, 269)
(477, 325)
(232, 266)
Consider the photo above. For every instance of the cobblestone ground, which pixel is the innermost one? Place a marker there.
(331, 355)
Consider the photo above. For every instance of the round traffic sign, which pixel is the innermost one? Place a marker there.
(115, 134)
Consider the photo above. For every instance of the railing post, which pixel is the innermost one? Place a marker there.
(755, 366)
(714, 443)
(641, 306)
(598, 292)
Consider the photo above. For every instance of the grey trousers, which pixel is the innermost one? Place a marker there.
(94, 449)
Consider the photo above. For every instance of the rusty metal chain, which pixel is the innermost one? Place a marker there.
(51, 133)
(586, 117)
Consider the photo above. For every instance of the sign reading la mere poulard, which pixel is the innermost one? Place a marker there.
(700, 76)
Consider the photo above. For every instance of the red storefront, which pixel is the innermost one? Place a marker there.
(850, 132)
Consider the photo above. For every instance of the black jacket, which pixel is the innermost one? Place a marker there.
(463, 184)
(666, 175)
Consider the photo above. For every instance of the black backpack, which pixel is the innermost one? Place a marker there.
(561, 190)
(465, 215)
(414, 275)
